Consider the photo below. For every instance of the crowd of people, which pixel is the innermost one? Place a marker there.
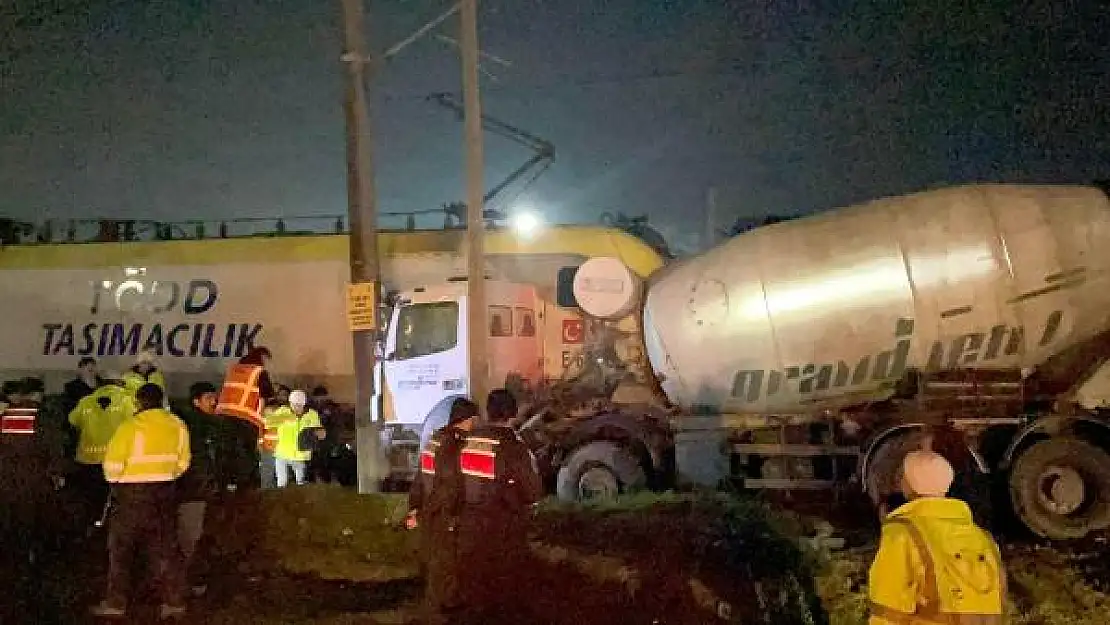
(146, 469)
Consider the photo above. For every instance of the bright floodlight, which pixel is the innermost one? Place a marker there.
(525, 222)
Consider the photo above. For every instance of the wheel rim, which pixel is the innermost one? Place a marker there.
(598, 483)
(1062, 490)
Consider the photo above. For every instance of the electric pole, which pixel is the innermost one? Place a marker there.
(478, 367)
(363, 217)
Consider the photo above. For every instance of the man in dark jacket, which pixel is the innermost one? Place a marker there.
(435, 505)
(501, 485)
(198, 485)
(30, 476)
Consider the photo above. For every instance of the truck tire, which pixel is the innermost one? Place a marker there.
(884, 471)
(1060, 488)
(599, 470)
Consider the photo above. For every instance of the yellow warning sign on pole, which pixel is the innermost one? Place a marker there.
(362, 306)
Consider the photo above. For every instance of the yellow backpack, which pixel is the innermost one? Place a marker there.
(965, 579)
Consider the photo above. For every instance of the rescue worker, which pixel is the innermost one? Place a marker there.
(272, 416)
(30, 476)
(436, 503)
(501, 484)
(298, 428)
(198, 485)
(934, 564)
(245, 391)
(145, 457)
(96, 418)
(87, 381)
(144, 371)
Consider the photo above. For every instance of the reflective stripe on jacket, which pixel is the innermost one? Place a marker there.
(96, 425)
(18, 421)
(272, 417)
(240, 396)
(904, 583)
(499, 470)
(152, 446)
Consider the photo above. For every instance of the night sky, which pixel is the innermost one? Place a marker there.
(221, 108)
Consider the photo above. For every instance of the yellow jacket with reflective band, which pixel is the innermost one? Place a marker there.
(935, 566)
(96, 425)
(272, 418)
(289, 430)
(133, 381)
(152, 446)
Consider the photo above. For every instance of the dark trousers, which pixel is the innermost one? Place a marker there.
(91, 490)
(241, 458)
(472, 581)
(267, 470)
(144, 517)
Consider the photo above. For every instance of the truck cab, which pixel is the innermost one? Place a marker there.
(424, 364)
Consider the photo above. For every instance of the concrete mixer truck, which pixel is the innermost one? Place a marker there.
(816, 353)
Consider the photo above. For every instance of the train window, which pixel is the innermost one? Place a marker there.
(500, 321)
(564, 287)
(525, 322)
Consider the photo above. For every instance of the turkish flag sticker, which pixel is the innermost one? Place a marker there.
(573, 331)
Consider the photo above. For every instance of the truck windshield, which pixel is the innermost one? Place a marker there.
(424, 329)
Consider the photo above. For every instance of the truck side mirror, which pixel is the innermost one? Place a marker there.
(564, 287)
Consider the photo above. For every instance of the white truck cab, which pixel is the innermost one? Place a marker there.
(424, 365)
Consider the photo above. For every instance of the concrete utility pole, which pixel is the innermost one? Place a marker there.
(478, 370)
(363, 217)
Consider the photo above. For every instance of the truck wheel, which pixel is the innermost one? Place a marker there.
(884, 472)
(1060, 488)
(599, 470)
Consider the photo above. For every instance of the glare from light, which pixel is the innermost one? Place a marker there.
(525, 222)
(877, 280)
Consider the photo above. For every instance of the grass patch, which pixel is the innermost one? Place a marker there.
(325, 531)
(1044, 589)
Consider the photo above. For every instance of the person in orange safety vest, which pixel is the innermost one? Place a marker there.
(244, 393)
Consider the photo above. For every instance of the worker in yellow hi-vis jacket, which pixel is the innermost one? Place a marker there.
(147, 454)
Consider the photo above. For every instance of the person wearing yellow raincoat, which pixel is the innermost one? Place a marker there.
(935, 565)
(298, 428)
(96, 418)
